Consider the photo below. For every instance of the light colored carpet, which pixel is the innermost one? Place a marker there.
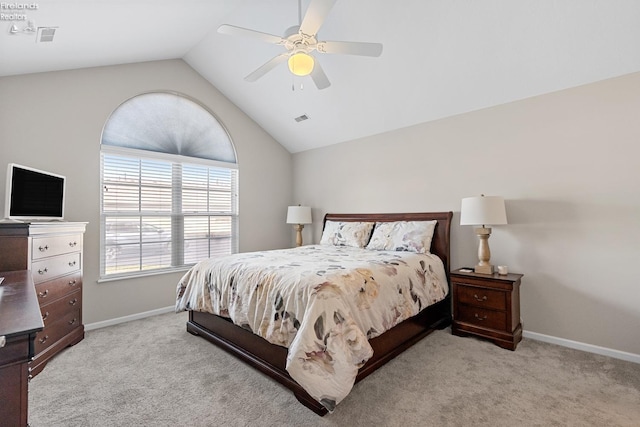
(151, 372)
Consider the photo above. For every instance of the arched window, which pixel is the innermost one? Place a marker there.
(169, 180)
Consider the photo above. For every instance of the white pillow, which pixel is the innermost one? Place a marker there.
(411, 236)
(347, 233)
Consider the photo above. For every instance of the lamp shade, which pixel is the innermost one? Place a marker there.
(299, 215)
(301, 64)
(483, 210)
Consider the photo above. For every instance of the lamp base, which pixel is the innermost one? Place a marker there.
(484, 269)
(298, 228)
(484, 254)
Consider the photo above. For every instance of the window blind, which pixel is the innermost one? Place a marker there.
(160, 213)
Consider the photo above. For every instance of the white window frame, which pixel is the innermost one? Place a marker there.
(177, 214)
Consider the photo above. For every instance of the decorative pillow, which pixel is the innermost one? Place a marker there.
(354, 234)
(411, 236)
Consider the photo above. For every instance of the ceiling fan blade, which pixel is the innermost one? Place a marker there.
(351, 48)
(319, 77)
(268, 66)
(239, 31)
(315, 16)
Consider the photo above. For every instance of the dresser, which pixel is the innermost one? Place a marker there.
(52, 251)
(487, 306)
(20, 320)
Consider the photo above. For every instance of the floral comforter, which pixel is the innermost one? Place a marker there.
(322, 302)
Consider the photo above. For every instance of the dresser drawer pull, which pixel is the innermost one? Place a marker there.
(43, 271)
(71, 322)
(45, 315)
(43, 294)
(72, 244)
(480, 318)
(72, 263)
(484, 297)
(73, 301)
(72, 282)
(43, 248)
(43, 339)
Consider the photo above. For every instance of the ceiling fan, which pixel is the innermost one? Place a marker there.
(301, 41)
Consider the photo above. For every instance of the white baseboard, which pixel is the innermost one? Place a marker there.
(137, 316)
(616, 354)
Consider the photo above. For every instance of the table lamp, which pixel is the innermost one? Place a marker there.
(482, 211)
(299, 215)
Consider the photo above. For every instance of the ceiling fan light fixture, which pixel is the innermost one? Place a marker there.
(301, 64)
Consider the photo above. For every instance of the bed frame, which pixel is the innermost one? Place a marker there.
(271, 359)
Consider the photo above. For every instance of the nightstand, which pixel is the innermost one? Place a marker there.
(487, 306)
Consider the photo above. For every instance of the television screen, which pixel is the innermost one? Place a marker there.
(34, 194)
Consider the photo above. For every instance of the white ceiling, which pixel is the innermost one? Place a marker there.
(440, 57)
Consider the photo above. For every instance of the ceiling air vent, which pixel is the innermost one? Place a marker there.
(45, 34)
(301, 118)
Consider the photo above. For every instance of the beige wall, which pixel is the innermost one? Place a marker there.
(53, 121)
(568, 165)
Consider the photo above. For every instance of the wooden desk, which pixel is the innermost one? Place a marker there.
(20, 319)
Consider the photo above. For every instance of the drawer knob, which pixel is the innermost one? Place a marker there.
(73, 301)
(484, 297)
(480, 318)
(72, 244)
(72, 263)
(43, 339)
(72, 282)
(74, 320)
(43, 294)
(45, 315)
(43, 248)
(43, 271)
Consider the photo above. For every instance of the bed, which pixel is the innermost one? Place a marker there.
(272, 359)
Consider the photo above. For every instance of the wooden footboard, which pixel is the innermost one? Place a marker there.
(271, 359)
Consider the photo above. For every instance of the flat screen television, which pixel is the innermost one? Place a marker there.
(33, 194)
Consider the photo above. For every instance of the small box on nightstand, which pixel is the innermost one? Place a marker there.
(488, 306)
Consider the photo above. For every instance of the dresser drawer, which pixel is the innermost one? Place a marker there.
(43, 247)
(53, 289)
(481, 297)
(482, 318)
(57, 309)
(57, 330)
(56, 266)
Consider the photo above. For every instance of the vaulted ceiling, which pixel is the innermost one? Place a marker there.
(440, 57)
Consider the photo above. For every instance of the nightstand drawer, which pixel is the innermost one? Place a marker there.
(483, 318)
(482, 297)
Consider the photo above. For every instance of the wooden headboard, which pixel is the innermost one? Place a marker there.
(440, 244)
